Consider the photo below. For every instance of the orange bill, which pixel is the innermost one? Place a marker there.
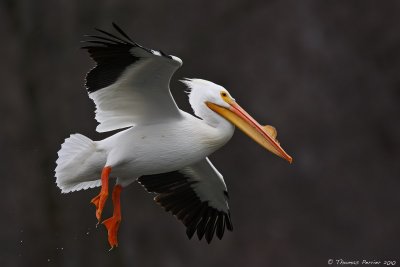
(263, 135)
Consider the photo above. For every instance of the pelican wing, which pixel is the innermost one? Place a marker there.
(196, 195)
(130, 83)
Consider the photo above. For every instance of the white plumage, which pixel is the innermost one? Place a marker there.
(162, 146)
(125, 103)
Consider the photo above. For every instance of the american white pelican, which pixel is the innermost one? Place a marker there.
(162, 147)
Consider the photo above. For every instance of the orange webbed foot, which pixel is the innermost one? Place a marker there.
(100, 200)
(112, 223)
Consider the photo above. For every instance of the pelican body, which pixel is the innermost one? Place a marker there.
(162, 147)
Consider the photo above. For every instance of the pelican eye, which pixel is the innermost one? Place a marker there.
(224, 94)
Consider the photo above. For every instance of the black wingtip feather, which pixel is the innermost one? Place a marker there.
(176, 194)
(201, 227)
(211, 225)
(112, 35)
(220, 226)
(121, 31)
(113, 54)
(228, 222)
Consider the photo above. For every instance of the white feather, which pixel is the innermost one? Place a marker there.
(140, 95)
(210, 184)
(161, 145)
(202, 91)
(79, 164)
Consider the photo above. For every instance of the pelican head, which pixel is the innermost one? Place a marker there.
(208, 99)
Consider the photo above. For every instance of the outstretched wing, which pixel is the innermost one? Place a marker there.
(130, 83)
(196, 195)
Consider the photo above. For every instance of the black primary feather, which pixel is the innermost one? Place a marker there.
(113, 55)
(175, 194)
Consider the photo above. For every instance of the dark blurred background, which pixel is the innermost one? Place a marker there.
(324, 73)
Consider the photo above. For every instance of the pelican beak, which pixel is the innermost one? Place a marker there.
(263, 135)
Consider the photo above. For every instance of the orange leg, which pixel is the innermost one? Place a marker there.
(101, 198)
(112, 223)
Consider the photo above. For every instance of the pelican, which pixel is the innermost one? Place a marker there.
(162, 147)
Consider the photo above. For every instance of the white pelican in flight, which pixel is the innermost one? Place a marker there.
(162, 147)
